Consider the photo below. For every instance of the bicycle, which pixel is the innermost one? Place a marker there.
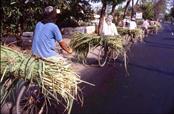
(146, 32)
(26, 92)
(30, 99)
(7, 90)
(106, 53)
(153, 30)
(29, 96)
(128, 41)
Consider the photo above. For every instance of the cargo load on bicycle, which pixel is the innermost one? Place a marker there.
(56, 81)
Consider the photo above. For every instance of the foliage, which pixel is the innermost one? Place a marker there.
(159, 8)
(22, 15)
(115, 3)
(18, 15)
(78, 11)
(148, 10)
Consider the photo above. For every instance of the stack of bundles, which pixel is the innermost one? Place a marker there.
(114, 42)
(56, 79)
(82, 43)
(123, 31)
(155, 27)
(136, 34)
(158, 25)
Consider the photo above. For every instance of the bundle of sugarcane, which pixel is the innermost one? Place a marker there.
(152, 27)
(122, 31)
(54, 78)
(115, 42)
(82, 43)
(136, 34)
(155, 26)
(158, 25)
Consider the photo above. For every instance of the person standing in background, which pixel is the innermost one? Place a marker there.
(133, 24)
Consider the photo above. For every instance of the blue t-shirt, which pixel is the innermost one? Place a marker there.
(44, 39)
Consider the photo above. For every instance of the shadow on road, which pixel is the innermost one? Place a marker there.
(149, 68)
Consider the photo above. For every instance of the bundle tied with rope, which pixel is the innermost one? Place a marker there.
(137, 34)
(155, 27)
(82, 43)
(54, 78)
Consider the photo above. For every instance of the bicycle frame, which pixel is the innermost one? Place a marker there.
(109, 54)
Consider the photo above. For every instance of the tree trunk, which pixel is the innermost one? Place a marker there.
(126, 7)
(101, 21)
(20, 27)
(113, 9)
(132, 14)
(137, 2)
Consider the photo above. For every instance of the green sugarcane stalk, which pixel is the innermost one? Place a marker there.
(57, 75)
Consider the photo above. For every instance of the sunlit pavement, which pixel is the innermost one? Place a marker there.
(149, 88)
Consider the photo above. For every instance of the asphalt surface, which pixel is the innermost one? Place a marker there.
(149, 88)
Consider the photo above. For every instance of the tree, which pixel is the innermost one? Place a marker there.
(18, 15)
(132, 9)
(132, 14)
(22, 15)
(78, 10)
(172, 12)
(137, 2)
(126, 7)
(116, 2)
(148, 10)
(159, 8)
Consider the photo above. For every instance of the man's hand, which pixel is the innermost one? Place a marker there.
(65, 47)
(70, 50)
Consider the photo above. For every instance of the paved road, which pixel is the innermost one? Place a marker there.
(148, 89)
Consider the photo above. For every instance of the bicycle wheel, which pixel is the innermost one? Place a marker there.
(102, 56)
(126, 39)
(115, 55)
(128, 43)
(29, 100)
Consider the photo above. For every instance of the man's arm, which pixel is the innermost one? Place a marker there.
(58, 37)
(65, 47)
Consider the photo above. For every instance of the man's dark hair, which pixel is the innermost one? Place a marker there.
(49, 15)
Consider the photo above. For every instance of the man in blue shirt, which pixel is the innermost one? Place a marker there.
(46, 34)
